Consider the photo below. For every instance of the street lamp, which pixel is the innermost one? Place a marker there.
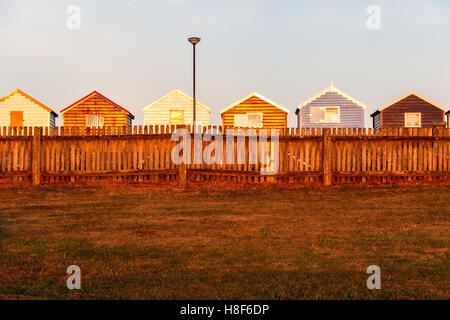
(194, 41)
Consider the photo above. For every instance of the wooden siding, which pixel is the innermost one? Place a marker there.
(273, 117)
(33, 114)
(159, 113)
(52, 119)
(351, 114)
(394, 116)
(377, 121)
(112, 116)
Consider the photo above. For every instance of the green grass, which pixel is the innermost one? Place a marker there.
(260, 243)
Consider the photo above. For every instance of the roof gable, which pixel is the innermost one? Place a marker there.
(40, 104)
(95, 93)
(412, 93)
(179, 93)
(330, 89)
(254, 94)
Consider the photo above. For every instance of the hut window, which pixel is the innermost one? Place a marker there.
(94, 120)
(176, 116)
(255, 120)
(248, 120)
(316, 115)
(331, 115)
(324, 115)
(240, 120)
(413, 120)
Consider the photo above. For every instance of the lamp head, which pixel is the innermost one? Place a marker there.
(194, 40)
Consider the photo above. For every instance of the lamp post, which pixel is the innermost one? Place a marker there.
(194, 41)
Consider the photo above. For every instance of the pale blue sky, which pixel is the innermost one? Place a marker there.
(136, 51)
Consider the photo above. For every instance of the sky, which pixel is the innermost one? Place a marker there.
(135, 51)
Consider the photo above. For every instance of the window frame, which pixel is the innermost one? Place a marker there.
(240, 115)
(261, 114)
(102, 117)
(413, 113)
(170, 116)
(324, 109)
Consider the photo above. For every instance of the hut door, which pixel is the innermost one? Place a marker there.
(16, 119)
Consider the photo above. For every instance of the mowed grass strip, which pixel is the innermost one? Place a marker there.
(260, 243)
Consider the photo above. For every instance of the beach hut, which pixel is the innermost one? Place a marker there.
(96, 110)
(330, 108)
(254, 111)
(176, 108)
(409, 111)
(18, 109)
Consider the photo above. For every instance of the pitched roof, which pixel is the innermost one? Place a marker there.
(331, 88)
(415, 94)
(254, 94)
(448, 112)
(100, 96)
(176, 91)
(40, 104)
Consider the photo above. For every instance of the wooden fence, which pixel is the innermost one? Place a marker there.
(142, 153)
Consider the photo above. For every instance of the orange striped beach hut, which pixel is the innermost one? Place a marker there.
(96, 110)
(254, 111)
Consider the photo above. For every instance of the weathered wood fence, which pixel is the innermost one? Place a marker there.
(142, 153)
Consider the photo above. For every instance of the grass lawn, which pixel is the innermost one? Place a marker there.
(250, 243)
